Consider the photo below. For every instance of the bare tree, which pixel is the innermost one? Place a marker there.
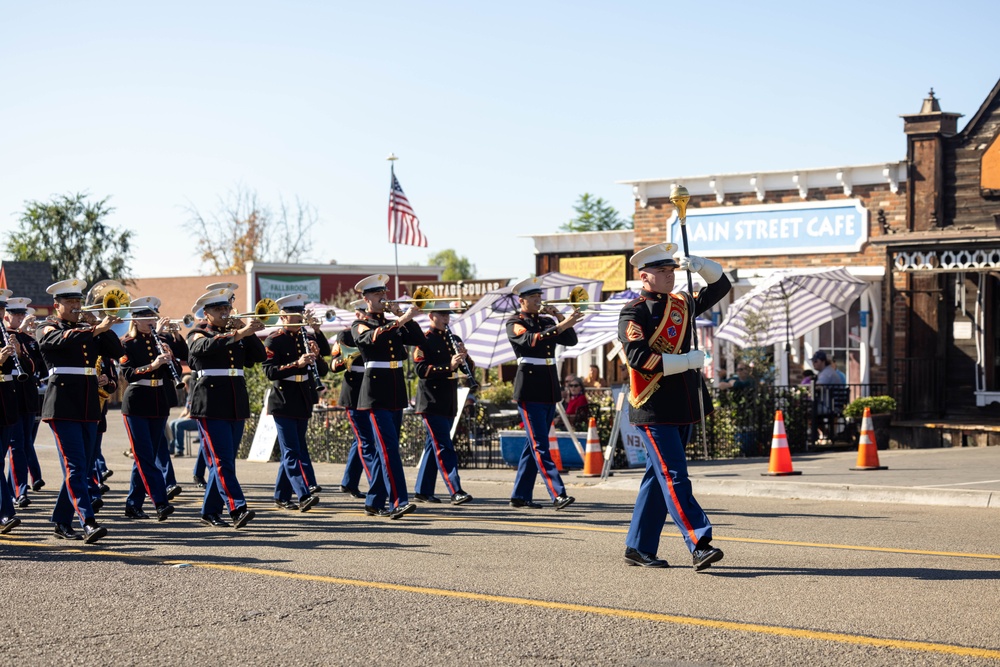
(243, 229)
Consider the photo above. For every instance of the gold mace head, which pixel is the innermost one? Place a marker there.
(679, 197)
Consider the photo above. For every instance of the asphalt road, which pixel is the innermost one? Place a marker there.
(803, 581)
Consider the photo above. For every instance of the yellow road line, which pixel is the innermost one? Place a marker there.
(774, 630)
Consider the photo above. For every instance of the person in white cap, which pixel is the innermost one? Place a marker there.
(655, 330)
(21, 439)
(71, 406)
(13, 361)
(534, 333)
(382, 344)
(295, 367)
(362, 455)
(219, 350)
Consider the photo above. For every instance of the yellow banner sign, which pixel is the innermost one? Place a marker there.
(609, 268)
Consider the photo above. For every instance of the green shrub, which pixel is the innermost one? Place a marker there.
(877, 404)
(498, 393)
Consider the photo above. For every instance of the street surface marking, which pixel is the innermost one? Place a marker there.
(774, 630)
(940, 486)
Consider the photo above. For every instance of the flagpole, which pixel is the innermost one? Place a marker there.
(395, 236)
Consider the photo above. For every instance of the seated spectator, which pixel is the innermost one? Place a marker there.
(593, 378)
(828, 373)
(808, 376)
(183, 423)
(577, 408)
(742, 379)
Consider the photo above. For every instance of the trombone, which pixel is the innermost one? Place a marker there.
(421, 297)
(188, 321)
(109, 296)
(308, 319)
(266, 310)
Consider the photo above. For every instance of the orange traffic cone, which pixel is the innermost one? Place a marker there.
(593, 460)
(781, 458)
(554, 449)
(867, 447)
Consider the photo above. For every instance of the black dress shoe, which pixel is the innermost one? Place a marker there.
(163, 511)
(8, 524)
(21, 502)
(374, 511)
(96, 504)
(636, 557)
(460, 497)
(307, 503)
(315, 488)
(402, 510)
(104, 488)
(37, 485)
(173, 491)
(242, 516)
(517, 502)
(705, 557)
(135, 513)
(65, 531)
(351, 490)
(93, 532)
(200, 481)
(214, 520)
(426, 499)
(107, 474)
(286, 504)
(563, 501)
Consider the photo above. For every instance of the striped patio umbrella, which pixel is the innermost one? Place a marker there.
(483, 328)
(789, 305)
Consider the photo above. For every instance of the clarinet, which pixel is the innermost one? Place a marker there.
(465, 364)
(17, 362)
(178, 383)
(313, 367)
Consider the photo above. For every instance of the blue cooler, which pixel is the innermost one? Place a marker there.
(512, 444)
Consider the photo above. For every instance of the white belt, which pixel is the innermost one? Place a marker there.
(356, 369)
(228, 372)
(150, 383)
(383, 364)
(72, 370)
(7, 378)
(547, 361)
(295, 378)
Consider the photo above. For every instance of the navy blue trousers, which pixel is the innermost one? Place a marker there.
(75, 442)
(29, 425)
(144, 434)
(371, 462)
(666, 488)
(200, 463)
(222, 438)
(439, 456)
(17, 474)
(292, 443)
(386, 425)
(355, 459)
(535, 457)
(163, 461)
(6, 494)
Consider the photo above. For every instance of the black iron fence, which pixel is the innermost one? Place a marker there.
(741, 425)
(918, 385)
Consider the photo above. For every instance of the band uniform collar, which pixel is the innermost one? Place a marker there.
(653, 296)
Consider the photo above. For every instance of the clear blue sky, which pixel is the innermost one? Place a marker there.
(502, 113)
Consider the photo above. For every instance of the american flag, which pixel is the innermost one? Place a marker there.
(404, 227)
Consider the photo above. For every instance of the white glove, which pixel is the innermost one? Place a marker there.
(678, 363)
(709, 270)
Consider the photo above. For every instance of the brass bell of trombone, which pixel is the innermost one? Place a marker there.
(266, 310)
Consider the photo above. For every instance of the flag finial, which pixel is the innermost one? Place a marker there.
(392, 157)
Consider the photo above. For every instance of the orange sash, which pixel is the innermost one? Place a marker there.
(665, 340)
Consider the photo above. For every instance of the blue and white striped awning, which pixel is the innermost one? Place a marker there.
(483, 328)
(791, 304)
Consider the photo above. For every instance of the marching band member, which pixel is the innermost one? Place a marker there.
(13, 360)
(21, 438)
(71, 407)
(219, 402)
(656, 332)
(293, 359)
(361, 455)
(382, 344)
(534, 335)
(438, 361)
(26, 335)
(146, 406)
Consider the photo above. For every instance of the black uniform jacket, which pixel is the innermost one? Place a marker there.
(221, 396)
(437, 388)
(534, 335)
(382, 340)
(27, 392)
(290, 397)
(14, 392)
(140, 351)
(675, 399)
(351, 365)
(74, 345)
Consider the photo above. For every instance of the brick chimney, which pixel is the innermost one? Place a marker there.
(926, 134)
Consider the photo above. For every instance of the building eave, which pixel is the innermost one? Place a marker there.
(617, 240)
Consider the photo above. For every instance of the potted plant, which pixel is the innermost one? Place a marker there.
(881, 408)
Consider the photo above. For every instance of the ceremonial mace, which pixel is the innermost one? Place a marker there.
(679, 197)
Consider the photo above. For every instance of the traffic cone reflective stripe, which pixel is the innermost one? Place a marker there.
(554, 449)
(867, 447)
(593, 460)
(781, 458)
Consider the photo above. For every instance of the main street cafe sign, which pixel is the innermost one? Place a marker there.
(777, 229)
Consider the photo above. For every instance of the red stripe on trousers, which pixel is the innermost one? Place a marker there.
(218, 470)
(670, 487)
